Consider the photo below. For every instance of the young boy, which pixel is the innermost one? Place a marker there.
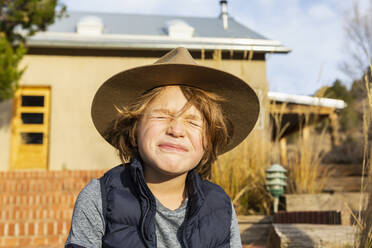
(169, 121)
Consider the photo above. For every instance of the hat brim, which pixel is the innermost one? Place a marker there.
(241, 105)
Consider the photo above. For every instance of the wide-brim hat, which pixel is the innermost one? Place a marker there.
(177, 67)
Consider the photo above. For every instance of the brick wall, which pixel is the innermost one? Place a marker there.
(36, 206)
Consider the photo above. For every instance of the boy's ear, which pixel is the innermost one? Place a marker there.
(133, 136)
(133, 140)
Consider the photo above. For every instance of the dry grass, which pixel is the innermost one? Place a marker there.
(364, 219)
(241, 173)
(306, 173)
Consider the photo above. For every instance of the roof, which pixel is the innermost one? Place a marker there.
(307, 100)
(140, 24)
(152, 31)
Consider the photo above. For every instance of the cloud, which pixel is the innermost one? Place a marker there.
(321, 12)
(313, 32)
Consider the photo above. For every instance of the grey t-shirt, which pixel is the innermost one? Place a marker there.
(88, 222)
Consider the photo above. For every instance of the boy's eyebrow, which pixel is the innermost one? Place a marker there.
(193, 117)
(168, 112)
(162, 111)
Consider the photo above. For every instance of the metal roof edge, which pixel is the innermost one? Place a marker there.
(307, 100)
(57, 39)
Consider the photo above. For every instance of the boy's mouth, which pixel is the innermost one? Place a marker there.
(173, 147)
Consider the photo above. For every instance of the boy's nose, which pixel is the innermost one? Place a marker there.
(176, 128)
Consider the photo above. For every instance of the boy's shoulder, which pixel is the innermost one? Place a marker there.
(216, 201)
(213, 190)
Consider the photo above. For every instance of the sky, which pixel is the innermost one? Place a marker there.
(312, 29)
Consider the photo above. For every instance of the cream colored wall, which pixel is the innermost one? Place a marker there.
(253, 72)
(74, 142)
(5, 118)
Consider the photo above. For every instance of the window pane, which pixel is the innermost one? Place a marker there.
(33, 101)
(32, 118)
(32, 138)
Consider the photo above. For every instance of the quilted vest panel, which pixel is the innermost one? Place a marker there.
(129, 208)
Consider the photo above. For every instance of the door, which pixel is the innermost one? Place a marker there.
(30, 128)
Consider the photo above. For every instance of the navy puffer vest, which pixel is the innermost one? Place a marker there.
(129, 208)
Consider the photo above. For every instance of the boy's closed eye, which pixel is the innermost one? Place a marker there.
(159, 117)
(195, 123)
(191, 120)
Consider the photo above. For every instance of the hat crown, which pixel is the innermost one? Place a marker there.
(179, 55)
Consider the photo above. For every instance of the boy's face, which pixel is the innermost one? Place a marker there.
(169, 139)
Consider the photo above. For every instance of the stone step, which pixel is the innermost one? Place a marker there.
(254, 230)
(344, 170)
(324, 201)
(343, 184)
(310, 236)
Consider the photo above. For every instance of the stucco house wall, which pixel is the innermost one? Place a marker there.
(73, 142)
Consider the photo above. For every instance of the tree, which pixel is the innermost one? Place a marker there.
(358, 30)
(20, 19)
(338, 91)
(9, 72)
(349, 119)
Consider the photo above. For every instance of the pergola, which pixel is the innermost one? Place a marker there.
(293, 113)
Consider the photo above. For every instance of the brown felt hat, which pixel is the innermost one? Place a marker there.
(178, 67)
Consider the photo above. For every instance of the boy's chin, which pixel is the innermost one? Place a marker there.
(174, 168)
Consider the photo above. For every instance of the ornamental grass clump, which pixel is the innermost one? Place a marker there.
(364, 219)
(241, 173)
(306, 174)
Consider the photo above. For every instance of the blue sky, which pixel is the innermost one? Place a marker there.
(313, 29)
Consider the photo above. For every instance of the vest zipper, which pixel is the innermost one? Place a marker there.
(145, 215)
(143, 223)
(184, 228)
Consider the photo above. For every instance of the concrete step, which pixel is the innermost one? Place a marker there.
(310, 236)
(254, 230)
(343, 184)
(345, 170)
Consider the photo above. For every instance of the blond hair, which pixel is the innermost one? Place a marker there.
(217, 129)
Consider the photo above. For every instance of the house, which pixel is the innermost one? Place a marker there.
(48, 125)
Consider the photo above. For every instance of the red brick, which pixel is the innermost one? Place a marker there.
(11, 229)
(50, 230)
(31, 228)
(21, 229)
(40, 228)
(2, 229)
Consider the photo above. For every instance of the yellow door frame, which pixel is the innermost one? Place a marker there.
(30, 128)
